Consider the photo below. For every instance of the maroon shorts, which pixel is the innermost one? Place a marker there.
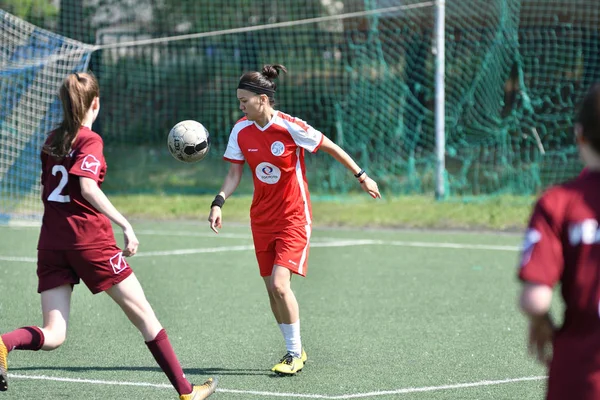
(100, 269)
(288, 248)
(575, 367)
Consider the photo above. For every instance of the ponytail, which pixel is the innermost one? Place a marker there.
(76, 96)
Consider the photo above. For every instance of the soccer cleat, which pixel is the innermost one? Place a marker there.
(304, 357)
(3, 366)
(289, 365)
(201, 392)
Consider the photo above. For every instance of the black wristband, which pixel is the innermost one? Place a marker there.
(218, 201)
(359, 174)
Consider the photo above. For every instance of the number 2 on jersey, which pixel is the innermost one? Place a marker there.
(64, 178)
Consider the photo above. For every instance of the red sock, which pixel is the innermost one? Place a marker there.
(28, 338)
(164, 355)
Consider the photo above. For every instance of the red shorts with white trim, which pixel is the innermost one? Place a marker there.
(99, 269)
(287, 248)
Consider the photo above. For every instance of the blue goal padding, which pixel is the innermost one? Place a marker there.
(24, 172)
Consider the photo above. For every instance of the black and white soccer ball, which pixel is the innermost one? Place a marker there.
(188, 141)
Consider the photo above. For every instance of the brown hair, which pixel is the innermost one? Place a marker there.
(76, 94)
(262, 82)
(589, 117)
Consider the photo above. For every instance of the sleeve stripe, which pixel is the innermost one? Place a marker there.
(319, 145)
(302, 124)
(231, 160)
(303, 134)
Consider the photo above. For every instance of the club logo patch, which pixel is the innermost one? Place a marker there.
(118, 263)
(267, 173)
(91, 164)
(277, 148)
(532, 237)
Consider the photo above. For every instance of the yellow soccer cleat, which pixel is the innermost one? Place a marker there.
(289, 365)
(304, 357)
(3, 366)
(201, 392)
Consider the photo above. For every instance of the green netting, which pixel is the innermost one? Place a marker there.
(515, 71)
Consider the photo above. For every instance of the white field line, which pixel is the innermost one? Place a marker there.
(23, 224)
(344, 243)
(339, 243)
(92, 381)
(19, 259)
(446, 245)
(330, 239)
(293, 395)
(194, 234)
(211, 235)
(179, 252)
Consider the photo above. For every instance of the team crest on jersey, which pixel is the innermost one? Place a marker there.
(532, 237)
(118, 263)
(277, 148)
(91, 164)
(267, 173)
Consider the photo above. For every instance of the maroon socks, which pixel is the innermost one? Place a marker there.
(28, 338)
(164, 355)
(32, 338)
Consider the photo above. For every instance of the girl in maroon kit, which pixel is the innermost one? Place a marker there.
(562, 245)
(77, 241)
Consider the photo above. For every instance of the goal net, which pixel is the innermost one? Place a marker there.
(361, 71)
(33, 63)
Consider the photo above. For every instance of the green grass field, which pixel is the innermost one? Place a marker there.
(353, 210)
(385, 315)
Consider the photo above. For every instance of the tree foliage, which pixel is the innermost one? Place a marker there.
(38, 12)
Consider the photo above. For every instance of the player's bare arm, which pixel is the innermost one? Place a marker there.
(535, 302)
(92, 193)
(232, 180)
(366, 183)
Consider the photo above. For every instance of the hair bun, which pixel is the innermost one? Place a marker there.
(271, 72)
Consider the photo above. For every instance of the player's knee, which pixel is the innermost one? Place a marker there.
(279, 289)
(137, 308)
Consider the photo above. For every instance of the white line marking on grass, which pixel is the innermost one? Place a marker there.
(343, 243)
(296, 395)
(195, 234)
(339, 243)
(93, 381)
(24, 224)
(194, 251)
(437, 388)
(18, 259)
(220, 249)
(213, 235)
(449, 245)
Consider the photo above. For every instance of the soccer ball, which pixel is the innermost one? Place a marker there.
(188, 141)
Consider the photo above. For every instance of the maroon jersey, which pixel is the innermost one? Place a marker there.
(562, 244)
(70, 222)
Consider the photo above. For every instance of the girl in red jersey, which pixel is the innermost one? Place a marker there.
(562, 244)
(77, 242)
(273, 145)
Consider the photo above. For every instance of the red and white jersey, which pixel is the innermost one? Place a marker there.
(70, 222)
(275, 155)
